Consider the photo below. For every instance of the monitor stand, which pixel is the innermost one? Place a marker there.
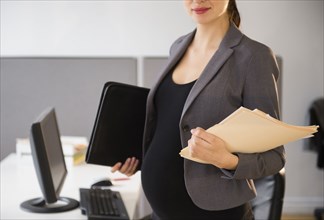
(39, 205)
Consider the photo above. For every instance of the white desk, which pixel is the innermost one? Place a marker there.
(19, 183)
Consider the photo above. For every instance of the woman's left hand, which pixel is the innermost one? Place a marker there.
(212, 149)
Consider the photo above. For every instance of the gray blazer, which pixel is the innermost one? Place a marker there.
(242, 72)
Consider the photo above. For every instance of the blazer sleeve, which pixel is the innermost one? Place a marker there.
(260, 91)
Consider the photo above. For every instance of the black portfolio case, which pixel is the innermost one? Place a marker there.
(118, 129)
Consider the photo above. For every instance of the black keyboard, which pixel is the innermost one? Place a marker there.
(99, 203)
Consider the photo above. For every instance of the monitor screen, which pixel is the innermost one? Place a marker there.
(49, 165)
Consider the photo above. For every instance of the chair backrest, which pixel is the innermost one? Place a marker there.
(278, 195)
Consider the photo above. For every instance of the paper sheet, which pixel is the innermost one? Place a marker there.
(247, 131)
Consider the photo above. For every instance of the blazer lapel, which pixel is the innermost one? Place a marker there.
(209, 72)
(231, 39)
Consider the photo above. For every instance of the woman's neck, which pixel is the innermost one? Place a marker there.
(209, 36)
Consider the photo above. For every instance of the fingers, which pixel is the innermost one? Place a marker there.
(211, 148)
(202, 134)
(116, 167)
(129, 166)
(133, 167)
(203, 143)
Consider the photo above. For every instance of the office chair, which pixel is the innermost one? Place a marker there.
(278, 195)
(269, 200)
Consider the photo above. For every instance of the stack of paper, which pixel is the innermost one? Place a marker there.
(246, 131)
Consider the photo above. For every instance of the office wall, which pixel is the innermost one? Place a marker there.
(293, 29)
(85, 28)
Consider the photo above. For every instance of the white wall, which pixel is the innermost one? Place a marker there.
(293, 29)
(90, 28)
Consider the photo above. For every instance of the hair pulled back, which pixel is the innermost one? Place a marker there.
(233, 13)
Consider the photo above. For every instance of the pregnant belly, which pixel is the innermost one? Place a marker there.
(162, 179)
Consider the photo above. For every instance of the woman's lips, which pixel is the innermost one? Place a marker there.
(200, 10)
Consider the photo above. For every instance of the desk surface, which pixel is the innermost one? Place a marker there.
(19, 183)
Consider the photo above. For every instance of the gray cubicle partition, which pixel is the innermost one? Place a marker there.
(71, 85)
(152, 67)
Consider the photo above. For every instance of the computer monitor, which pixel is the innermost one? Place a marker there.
(49, 163)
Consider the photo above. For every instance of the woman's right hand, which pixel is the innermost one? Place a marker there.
(128, 168)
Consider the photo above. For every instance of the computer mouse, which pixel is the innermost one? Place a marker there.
(102, 183)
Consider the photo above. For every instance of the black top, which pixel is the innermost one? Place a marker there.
(162, 169)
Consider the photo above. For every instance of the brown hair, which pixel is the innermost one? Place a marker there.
(233, 13)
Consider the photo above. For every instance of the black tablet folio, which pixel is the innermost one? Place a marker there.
(118, 129)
